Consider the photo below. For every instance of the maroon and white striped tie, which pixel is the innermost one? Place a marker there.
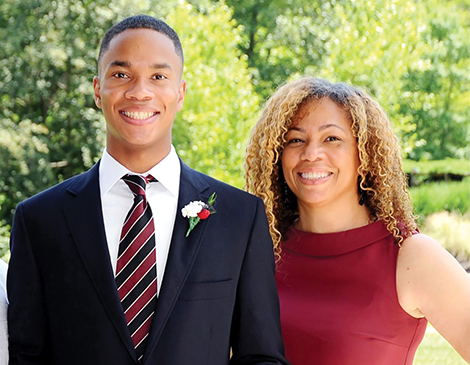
(136, 274)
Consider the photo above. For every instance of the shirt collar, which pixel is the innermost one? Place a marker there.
(167, 172)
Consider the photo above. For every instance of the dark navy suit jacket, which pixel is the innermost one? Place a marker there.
(218, 292)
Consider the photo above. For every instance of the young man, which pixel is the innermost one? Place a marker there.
(104, 268)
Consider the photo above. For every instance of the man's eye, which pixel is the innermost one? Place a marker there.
(119, 75)
(159, 77)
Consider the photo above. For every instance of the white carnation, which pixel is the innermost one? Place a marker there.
(192, 209)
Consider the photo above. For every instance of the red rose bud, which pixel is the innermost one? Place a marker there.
(204, 214)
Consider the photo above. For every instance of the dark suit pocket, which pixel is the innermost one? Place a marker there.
(206, 290)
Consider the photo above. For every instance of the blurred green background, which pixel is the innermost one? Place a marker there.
(412, 55)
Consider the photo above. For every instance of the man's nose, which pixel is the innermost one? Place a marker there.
(140, 90)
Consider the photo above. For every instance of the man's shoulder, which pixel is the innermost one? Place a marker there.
(63, 188)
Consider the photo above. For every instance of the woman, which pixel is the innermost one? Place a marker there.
(357, 282)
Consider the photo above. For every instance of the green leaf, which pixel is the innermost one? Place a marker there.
(193, 221)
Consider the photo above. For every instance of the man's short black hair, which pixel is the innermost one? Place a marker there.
(141, 22)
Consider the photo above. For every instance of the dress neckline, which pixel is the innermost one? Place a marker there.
(336, 243)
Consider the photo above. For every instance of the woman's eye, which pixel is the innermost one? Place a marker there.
(294, 140)
(332, 139)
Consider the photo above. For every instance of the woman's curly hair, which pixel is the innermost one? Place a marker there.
(381, 180)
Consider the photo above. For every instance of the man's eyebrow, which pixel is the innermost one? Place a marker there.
(161, 65)
(126, 64)
(120, 64)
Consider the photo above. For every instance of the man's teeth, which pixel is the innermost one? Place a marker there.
(314, 175)
(138, 115)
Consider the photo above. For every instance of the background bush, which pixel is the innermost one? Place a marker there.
(438, 196)
(449, 165)
(452, 231)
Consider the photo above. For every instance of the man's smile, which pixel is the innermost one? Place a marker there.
(139, 115)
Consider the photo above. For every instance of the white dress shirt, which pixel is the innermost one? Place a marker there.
(3, 314)
(162, 196)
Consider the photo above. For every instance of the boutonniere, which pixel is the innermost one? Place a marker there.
(197, 211)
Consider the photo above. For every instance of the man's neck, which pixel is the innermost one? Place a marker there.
(139, 161)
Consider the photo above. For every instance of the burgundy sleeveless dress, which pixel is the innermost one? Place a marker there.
(339, 303)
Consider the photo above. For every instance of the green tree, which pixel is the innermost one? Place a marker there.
(283, 37)
(24, 163)
(211, 131)
(436, 92)
(24, 168)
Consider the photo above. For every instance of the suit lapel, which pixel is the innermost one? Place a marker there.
(183, 251)
(85, 219)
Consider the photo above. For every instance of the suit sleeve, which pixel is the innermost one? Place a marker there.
(26, 313)
(256, 332)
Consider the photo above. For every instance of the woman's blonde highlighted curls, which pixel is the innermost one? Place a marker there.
(380, 174)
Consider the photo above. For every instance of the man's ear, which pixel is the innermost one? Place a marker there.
(96, 88)
(181, 94)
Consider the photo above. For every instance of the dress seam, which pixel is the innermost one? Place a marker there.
(412, 341)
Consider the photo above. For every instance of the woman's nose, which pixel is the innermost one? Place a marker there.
(312, 152)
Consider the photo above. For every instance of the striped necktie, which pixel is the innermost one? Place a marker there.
(136, 274)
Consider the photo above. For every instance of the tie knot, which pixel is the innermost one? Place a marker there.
(138, 183)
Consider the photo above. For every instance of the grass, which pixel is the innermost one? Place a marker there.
(435, 350)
